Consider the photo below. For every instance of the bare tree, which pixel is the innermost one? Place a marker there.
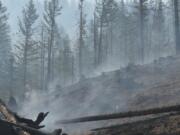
(106, 10)
(81, 36)
(95, 33)
(142, 11)
(176, 17)
(11, 75)
(43, 53)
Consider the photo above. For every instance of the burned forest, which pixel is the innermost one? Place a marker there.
(89, 67)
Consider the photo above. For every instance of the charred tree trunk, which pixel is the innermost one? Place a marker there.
(72, 70)
(100, 47)
(81, 42)
(50, 46)
(11, 75)
(177, 33)
(111, 38)
(141, 2)
(25, 64)
(42, 60)
(95, 41)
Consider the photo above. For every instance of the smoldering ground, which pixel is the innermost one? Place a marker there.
(89, 97)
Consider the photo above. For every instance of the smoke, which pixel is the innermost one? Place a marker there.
(107, 93)
(89, 97)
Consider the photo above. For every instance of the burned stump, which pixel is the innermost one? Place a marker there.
(12, 124)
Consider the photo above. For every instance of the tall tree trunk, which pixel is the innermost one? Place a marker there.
(100, 48)
(81, 40)
(25, 64)
(141, 31)
(50, 47)
(111, 38)
(95, 41)
(11, 75)
(72, 70)
(176, 17)
(106, 47)
(125, 39)
(42, 60)
(48, 66)
(53, 64)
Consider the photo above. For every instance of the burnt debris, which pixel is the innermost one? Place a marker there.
(129, 114)
(13, 124)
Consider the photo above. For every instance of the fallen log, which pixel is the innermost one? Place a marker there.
(148, 120)
(162, 125)
(13, 124)
(129, 114)
(9, 117)
(30, 130)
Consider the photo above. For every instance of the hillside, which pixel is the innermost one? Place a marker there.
(128, 88)
(133, 88)
(160, 86)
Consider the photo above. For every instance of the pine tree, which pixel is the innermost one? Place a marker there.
(43, 56)
(67, 62)
(95, 33)
(81, 36)
(143, 14)
(52, 11)
(5, 47)
(123, 30)
(176, 18)
(159, 28)
(106, 11)
(27, 31)
(11, 75)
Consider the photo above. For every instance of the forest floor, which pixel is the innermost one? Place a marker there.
(136, 87)
(131, 88)
(164, 125)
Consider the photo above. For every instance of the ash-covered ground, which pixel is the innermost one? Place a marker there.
(133, 88)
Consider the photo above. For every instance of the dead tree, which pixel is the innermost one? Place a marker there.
(95, 33)
(52, 10)
(123, 115)
(81, 40)
(176, 18)
(142, 11)
(42, 58)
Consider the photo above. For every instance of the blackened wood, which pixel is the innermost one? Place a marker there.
(129, 114)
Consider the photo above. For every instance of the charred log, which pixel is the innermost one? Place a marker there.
(138, 122)
(29, 129)
(34, 124)
(164, 125)
(129, 114)
(12, 124)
